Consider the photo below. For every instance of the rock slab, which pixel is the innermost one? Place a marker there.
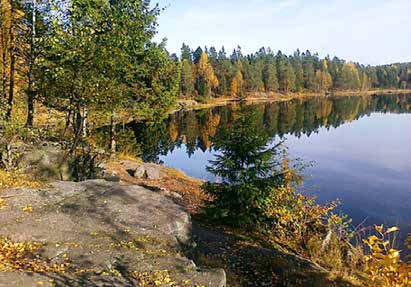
(105, 226)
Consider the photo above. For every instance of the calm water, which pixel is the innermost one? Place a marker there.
(360, 148)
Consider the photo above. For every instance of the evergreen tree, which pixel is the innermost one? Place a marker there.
(224, 72)
(309, 71)
(187, 81)
(289, 84)
(298, 70)
(257, 72)
(197, 55)
(213, 57)
(248, 169)
(270, 76)
(186, 53)
(286, 75)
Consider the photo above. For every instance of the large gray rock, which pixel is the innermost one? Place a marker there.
(46, 162)
(102, 226)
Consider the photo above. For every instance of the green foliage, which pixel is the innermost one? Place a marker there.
(104, 61)
(270, 76)
(187, 81)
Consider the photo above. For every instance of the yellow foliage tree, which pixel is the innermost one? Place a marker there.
(365, 82)
(206, 77)
(350, 77)
(323, 81)
(12, 65)
(237, 83)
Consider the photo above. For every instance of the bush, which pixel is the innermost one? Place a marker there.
(383, 263)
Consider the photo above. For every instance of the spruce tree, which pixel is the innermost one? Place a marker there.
(270, 76)
(248, 169)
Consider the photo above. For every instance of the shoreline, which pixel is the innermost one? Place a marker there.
(253, 98)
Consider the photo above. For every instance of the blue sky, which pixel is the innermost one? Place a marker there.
(367, 31)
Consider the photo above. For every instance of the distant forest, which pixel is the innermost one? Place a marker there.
(209, 73)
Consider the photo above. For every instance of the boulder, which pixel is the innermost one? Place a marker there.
(45, 162)
(135, 169)
(105, 227)
(153, 171)
(138, 172)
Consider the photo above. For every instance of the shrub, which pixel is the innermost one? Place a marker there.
(383, 263)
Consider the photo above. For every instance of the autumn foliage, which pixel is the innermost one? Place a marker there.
(383, 263)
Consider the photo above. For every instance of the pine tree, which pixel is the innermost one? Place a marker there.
(270, 76)
(286, 75)
(197, 55)
(290, 79)
(187, 81)
(224, 72)
(309, 70)
(186, 53)
(298, 70)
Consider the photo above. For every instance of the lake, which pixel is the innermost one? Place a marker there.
(359, 147)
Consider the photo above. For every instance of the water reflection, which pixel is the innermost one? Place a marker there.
(195, 129)
(360, 146)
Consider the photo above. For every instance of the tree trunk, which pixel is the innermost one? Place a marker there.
(12, 63)
(68, 120)
(4, 45)
(9, 159)
(77, 121)
(85, 123)
(30, 93)
(4, 76)
(113, 144)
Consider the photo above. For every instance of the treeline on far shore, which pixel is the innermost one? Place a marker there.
(207, 73)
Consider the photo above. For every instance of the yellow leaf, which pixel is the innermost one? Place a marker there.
(379, 228)
(392, 229)
(28, 208)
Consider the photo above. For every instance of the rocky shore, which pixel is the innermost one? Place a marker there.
(103, 234)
